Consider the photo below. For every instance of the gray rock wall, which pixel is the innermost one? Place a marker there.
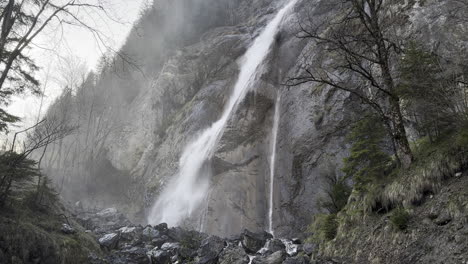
(188, 91)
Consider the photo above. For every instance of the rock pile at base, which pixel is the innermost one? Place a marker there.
(126, 243)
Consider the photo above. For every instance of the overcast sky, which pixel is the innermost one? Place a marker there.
(57, 43)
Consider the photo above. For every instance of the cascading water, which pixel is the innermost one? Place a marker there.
(274, 137)
(187, 191)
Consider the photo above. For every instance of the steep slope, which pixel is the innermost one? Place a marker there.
(436, 232)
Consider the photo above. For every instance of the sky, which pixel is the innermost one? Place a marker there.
(64, 42)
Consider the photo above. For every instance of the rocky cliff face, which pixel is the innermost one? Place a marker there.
(191, 70)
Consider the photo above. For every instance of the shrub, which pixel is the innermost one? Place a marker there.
(400, 218)
(336, 190)
(324, 227)
(15, 169)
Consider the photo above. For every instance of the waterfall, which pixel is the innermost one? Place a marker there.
(274, 137)
(188, 189)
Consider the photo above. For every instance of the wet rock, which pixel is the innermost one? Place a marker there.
(149, 233)
(209, 250)
(67, 229)
(162, 228)
(129, 233)
(172, 247)
(159, 256)
(253, 242)
(136, 255)
(274, 245)
(233, 255)
(159, 241)
(291, 248)
(109, 241)
(275, 258)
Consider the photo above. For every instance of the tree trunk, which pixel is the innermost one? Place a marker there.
(403, 150)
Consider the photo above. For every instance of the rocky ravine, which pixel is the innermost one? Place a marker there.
(124, 242)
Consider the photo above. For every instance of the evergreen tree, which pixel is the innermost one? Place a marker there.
(367, 162)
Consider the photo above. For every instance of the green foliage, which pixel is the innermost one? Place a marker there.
(461, 138)
(367, 162)
(433, 93)
(337, 192)
(28, 233)
(400, 218)
(15, 169)
(324, 227)
(6, 119)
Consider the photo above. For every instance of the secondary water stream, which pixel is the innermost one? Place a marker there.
(274, 138)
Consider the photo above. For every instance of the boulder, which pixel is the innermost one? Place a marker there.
(275, 245)
(253, 242)
(210, 249)
(159, 241)
(159, 256)
(149, 233)
(234, 255)
(162, 228)
(276, 258)
(172, 247)
(67, 229)
(109, 241)
(291, 248)
(443, 219)
(308, 248)
(136, 255)
(129, 233)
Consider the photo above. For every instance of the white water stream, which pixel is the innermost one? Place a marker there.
(188, 189)
(274, 139)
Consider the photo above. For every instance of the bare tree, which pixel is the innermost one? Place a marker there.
(17, 165)
(361, 39)
(21, 22)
